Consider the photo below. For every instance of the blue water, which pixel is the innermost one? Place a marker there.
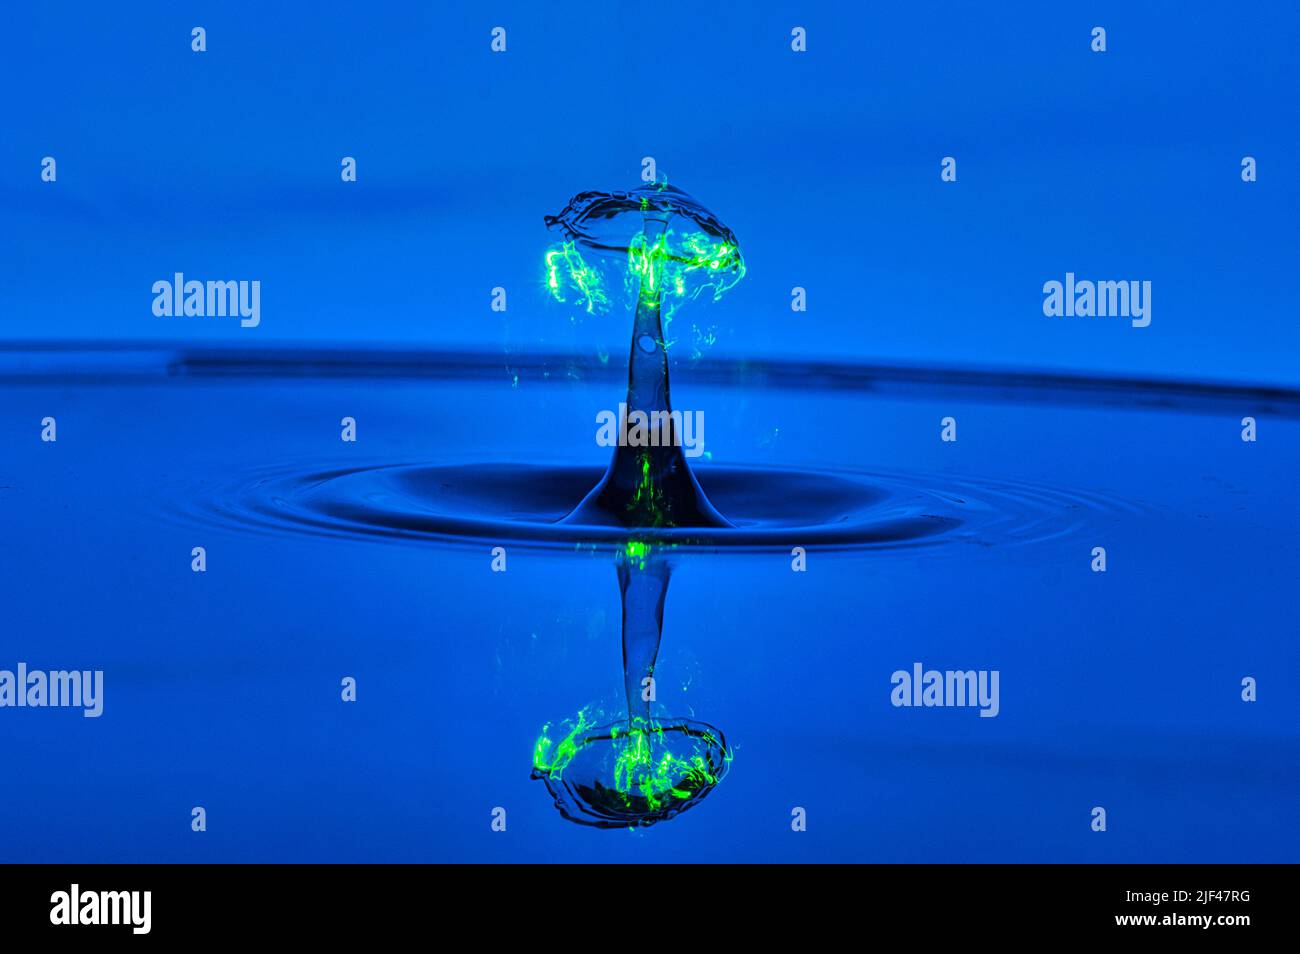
(1118, 690)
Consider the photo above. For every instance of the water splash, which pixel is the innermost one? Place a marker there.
(670, 249)
(655, 241)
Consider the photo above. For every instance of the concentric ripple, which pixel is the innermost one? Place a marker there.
(527, 504)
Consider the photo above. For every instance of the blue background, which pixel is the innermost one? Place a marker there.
(225, 164)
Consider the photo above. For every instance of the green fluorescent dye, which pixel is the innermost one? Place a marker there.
(566, 268)
(636, 552)
(647, 771)
(553, 764)
(673, 267)
(647, 768)
(666, 271)
(649, 497)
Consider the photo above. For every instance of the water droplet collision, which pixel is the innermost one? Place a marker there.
(670, 249)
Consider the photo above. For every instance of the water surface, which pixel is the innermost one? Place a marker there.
(328, 559)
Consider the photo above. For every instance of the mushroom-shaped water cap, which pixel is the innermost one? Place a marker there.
(669, 244)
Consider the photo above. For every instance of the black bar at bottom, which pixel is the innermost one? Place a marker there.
(217, 902)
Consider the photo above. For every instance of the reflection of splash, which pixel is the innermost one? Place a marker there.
(611, 777)
(638, 770)
(661, 266)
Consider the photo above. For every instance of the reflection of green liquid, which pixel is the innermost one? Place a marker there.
(663, 265)
(636, 770)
